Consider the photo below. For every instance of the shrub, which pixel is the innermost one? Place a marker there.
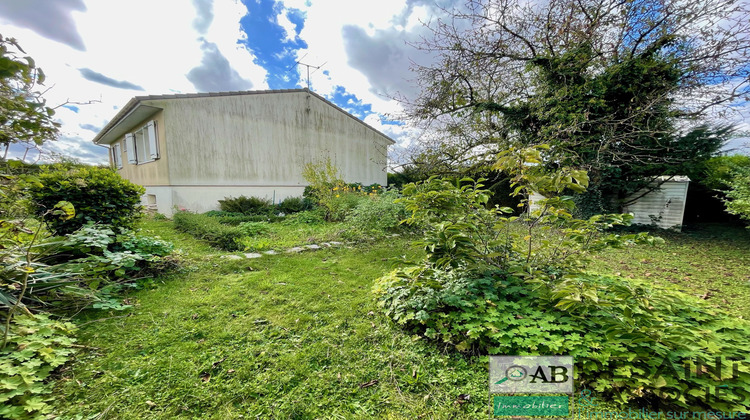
(246, 205)
(234, 219)
(518, 285)
(253, 228)
(209, 229)
(631, 342)
(99, 195)
(36, 346)
(292, 205)
(738, 197)
(309, 217)
(379, 214)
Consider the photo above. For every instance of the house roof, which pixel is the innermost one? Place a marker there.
(135, 111)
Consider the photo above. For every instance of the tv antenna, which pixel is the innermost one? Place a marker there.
(308, 66)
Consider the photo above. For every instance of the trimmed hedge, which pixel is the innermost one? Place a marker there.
(210, 230)
(234, 219)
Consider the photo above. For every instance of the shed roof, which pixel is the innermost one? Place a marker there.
(135, 110)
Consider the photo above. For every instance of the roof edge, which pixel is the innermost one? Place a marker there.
(133, 103)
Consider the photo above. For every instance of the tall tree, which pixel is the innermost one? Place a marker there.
(24, 116)
(622, 88)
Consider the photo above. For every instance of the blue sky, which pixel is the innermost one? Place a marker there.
(97, 55)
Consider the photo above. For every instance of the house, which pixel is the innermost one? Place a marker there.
(191, 150)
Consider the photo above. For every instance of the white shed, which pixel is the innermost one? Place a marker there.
(663, 207)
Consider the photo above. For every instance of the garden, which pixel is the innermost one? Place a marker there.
(112, 314)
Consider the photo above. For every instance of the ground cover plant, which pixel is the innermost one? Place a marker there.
(291, 336)
(498, 284)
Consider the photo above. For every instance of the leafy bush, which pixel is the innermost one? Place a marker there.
(379, 214)
(246, 205)
(235, 219)
(35, 347)
(631, 342)
(99, 195)
(738, 197)
(253, 228)
(308, 217)
(292, 205)
(209, 229)
(517, 285)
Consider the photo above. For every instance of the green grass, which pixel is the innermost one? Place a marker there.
(297, 336)
(289, 336)
(708, 261)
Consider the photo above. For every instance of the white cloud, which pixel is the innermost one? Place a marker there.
(153, 44)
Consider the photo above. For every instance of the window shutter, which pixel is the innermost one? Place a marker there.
(117, 150)
(153, 145)
(130, 148)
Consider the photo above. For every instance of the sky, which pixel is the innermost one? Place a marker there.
(99, 54)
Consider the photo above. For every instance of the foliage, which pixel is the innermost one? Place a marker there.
(597, 80)
(517, 285)
(295, 205)
(24, 116)
(82, 269)
(246, 205)
(630, 340)
(719, 171)
(308, 217)
(99, 195)
(382, 213)
(253, 228)
(36, 346)
(325, 185)
(738, 197)
(234, 219)
(209, 229)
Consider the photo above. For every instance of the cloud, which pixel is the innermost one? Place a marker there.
(383, 58)
(204, 15)
(51, 19)
(215, 74)
(93, 76)
(90, 127)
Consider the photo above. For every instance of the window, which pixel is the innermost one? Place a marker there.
(117, 155)
(141, 145)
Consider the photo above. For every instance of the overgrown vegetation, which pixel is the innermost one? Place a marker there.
(246, 205)
(517, 285)
(209, 229)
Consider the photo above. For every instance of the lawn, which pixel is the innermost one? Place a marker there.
(297, 336)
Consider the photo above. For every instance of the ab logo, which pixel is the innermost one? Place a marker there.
(531, 374)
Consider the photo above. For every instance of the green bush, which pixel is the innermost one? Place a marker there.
(500, 284)
(631, 342)
(99, 195)
(292, 205)
(234, 219)
(209, 229)
(253, 228)
(738, 196)
(308, 217)
(36, 346)
(246, 205)
(382, 213)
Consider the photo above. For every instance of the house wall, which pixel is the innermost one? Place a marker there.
(265, 140)
(664, 207)
(149, 173)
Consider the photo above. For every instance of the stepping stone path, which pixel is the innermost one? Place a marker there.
(294, 250)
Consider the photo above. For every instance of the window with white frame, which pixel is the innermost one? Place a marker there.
(117, 155)
(141, 145)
